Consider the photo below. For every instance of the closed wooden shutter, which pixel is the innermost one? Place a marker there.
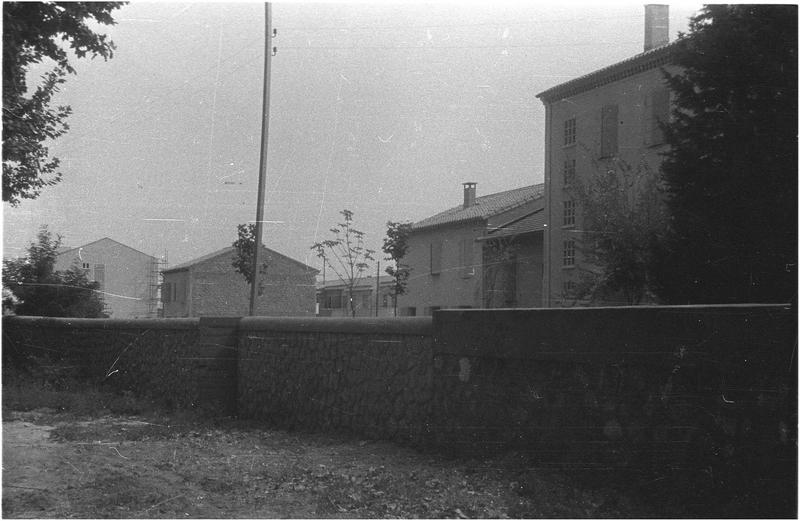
(609, 129)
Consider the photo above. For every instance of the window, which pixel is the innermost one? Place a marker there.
(569, 172)
(410, 311)
(569, 253)
(436, 258)
(85, 265)
(569, 212)
(568, 289)
(465, 257)
(656, 112)
(333, 300)
(608, 130)
(166, 292)
(569, 132)
(100, 275)
(366, 300)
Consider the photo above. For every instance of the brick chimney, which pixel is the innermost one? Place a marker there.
(656, 25)
(469, 194)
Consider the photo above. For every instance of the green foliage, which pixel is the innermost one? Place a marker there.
(624, 221)
(346, 255)
(41, 291)
(33, 32)
(731, 172)
(395, 246)
(245, 246)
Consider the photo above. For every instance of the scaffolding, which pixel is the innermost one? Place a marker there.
(155, 282)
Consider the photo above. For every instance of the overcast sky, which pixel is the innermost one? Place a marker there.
(381, 109)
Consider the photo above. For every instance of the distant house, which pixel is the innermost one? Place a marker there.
(486, 252)
(210, 286)
(128, 278)
(333, 298)
(597, 122)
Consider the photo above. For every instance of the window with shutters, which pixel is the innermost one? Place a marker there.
(569, 212)
(656, 113)
(568, 259)
(436, 257)
(570, 132)
(569, 172)
(465, 258)
(609, 129)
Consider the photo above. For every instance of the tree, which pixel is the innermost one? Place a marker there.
(31, 34)
(346, 255)
(499, 273)
(40, 290)
(731, 171)
(395, 246)
(624, 221)
(245, 250)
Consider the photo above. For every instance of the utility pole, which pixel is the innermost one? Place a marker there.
(262, 171)
(377, 287)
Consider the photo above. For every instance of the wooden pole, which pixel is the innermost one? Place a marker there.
(262, 171)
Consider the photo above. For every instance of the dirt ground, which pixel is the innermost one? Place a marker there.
(123, 466)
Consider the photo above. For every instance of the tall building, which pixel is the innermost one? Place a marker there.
(602, 120)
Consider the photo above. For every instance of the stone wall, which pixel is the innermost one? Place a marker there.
(578, 387)
(371, 377)
(609, 386)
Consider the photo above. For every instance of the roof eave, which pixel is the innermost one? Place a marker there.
(652, 59)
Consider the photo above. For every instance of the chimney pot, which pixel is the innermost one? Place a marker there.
(656, 25)
(469, 194)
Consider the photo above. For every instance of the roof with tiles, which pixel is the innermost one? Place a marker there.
(657, 57)
(532, 222)
(227, 251)
(484, 207)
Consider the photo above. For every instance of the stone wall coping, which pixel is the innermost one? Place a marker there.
(420, 326)
(691, 308)
(103, 323)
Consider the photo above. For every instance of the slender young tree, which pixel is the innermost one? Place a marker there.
(245, 246)
(395, 246)
(34, 32)
(731, 171)
(346, 255)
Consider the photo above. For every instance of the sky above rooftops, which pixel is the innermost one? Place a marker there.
(381, 109)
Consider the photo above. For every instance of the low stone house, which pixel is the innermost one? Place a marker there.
(210, 286)
(333, 298)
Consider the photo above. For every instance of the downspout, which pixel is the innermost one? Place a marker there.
(189, 284)
(548, 184)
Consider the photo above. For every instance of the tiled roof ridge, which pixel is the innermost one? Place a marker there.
(228, 249)
(478, 210)
(641, 62)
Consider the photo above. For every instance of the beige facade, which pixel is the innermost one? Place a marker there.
(608, 119)
(128, 278)
(210, 286)
(484, 253)
(333, 298)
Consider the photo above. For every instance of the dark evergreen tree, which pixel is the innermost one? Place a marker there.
(731, 172)
(41, 291)
(34, 32)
